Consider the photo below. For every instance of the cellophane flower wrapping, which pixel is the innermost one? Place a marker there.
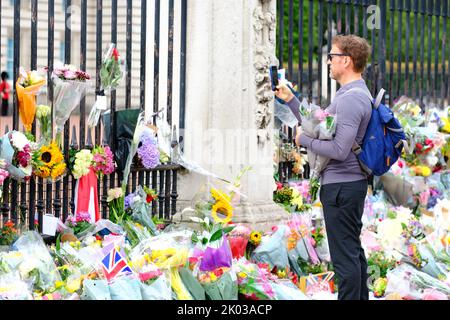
(16, 151)
(222, 286)
(271, 252)
(112, 73)
(141, 210)
(125, 288)
(66, 97)
(317, 124)
(38, 266)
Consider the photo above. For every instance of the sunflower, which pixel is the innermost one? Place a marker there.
(43, 172)
(224, 208)
(58, 170)
(255, 238)
(220, 196)
(50, 162)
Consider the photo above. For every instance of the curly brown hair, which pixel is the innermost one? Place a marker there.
(356, 47)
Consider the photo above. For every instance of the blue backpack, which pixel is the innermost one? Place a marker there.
(384, 139)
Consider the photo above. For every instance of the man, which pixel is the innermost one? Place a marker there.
(343, 183)
(4, 89)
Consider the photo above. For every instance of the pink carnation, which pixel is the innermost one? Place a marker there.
(321, 114)
(70, 75)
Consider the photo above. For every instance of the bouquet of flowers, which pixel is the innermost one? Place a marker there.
(103, 161)
(292, 199)
(16, 150)
(27, 87)
(219, 284)
(148, 152)
(408, 113)
(48, 162)
(138, 203)
(317, 124)
(87, 166)
(116, 203)
(8, 234)
(79, 223)
(38, 267)
(43, 114)
(238, 239)
(111, 74)
(212, 247)
(70, 86)
(82, 163)
(154, 285)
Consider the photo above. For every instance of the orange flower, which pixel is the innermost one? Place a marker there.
(9, 224)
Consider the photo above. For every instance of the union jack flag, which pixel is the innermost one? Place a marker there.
(114, 264)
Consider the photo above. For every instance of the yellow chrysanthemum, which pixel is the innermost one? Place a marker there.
(222, 207)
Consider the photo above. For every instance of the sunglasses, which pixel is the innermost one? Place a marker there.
(330, 55)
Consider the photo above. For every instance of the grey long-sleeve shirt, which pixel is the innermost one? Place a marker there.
(353, 111)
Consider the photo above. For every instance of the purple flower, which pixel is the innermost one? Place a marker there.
(149, 151)
(129, 201)
(83, 216)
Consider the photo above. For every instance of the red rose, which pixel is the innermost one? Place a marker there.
(419, 147)
(149, 198)
(279, 186)
(115, 54)
(428, 141)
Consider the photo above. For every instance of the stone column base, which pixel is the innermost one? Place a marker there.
(259, 216)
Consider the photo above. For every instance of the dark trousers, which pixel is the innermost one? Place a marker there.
(5, 105)
(343, 207)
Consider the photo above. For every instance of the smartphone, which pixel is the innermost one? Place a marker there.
(273, 70)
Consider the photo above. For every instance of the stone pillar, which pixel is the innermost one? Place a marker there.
(229, 103)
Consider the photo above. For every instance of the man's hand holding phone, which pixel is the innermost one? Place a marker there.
(284, 92)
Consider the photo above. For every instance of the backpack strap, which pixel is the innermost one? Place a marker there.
(356, 148)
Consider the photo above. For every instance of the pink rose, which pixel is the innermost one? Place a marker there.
(70, 75)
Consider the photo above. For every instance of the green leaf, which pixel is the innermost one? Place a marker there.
(194, 237)
(58, 243)
(216, 235)
(228, 229)
(204, 241)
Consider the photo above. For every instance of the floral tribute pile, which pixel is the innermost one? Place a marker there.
(133, 255)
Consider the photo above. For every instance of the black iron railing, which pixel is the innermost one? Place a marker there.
(23, 202)
(410, 54)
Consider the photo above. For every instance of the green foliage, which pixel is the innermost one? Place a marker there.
(311, 10)
(283, 196)
(383, 263)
